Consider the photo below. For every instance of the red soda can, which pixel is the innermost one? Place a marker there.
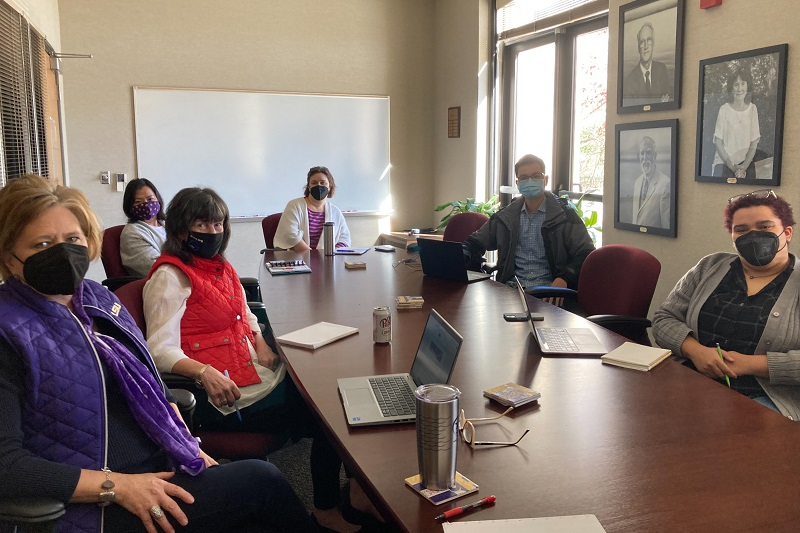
(382, 325)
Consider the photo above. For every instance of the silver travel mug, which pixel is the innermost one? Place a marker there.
(327, 238)
(437, 431)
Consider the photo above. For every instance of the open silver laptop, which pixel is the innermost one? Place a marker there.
(565, 341)
(368, 400)
(445, 260)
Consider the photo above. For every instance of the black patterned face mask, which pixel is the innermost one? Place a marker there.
(205, 245)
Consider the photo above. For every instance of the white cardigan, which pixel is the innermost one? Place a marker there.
(293, 226)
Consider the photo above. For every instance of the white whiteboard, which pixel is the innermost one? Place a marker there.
(255, 148)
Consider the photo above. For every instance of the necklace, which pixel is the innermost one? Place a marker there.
(751, 276)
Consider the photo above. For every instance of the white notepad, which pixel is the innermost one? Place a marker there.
(584, 523)
(635, 356)
(317, 335)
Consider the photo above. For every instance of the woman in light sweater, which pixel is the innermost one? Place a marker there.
(300, 228)
(738, 315)
(143, 236)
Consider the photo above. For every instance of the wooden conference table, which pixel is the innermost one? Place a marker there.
(666, 450)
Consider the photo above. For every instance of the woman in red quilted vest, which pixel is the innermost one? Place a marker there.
(199, 326)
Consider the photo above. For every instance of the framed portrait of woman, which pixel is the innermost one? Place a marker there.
(740, 117)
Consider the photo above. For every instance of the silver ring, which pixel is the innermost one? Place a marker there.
(156, 512)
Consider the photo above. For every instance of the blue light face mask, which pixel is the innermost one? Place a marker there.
(531, 188)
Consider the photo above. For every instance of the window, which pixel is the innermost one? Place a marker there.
(553, 104)
(29, 125)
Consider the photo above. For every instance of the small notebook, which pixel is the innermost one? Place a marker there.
(512, 395)
(635, 356)
(351, 251)
(280, 268)
(319, 334)
(437, 497)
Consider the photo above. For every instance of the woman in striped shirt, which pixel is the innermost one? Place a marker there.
(300, 228)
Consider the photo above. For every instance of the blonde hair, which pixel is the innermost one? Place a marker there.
(27, 197)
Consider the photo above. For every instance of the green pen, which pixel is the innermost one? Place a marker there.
(719, 351)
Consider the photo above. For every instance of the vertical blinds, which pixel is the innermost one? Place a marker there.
(23, 71)
(519, 18)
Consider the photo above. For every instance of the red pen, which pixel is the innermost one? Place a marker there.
(455, 511)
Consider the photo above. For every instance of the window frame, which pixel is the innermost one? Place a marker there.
(563, 121)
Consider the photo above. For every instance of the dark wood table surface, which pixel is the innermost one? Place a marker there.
(666, 450)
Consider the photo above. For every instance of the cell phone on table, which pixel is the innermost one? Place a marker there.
(522, 317)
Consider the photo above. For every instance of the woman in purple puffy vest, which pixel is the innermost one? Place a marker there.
(86, 419)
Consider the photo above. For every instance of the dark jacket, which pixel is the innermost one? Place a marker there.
(566, 240)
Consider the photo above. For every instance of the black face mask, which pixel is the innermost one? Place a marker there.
(58, 269)
(205, 245)
(319, 192)
(758, 248)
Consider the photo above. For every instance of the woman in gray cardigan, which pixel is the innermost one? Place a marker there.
(143, 236)
(737, 315)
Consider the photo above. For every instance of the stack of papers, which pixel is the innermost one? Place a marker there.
(512, 395)
(635, 356)
(409, 302)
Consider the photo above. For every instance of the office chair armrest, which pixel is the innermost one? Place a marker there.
(176, 381)
(113, 284)
(264, 250)
(624, 320)
(30, 510)
(545, 291)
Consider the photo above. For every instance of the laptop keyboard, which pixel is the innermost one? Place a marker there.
(558, 339)
(394, 395)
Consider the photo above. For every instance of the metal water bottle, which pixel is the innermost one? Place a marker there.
(437, 432)
(327, 238)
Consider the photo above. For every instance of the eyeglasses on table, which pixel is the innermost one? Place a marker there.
(466, 427)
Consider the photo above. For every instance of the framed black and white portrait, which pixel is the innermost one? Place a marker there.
(740, 117)
(650, 51)
(645, 184)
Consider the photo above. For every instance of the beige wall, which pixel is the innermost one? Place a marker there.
(42, 15)
(736, 26)
(461, 78)
(330, 46)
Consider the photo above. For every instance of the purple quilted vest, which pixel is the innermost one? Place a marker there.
(63, 415)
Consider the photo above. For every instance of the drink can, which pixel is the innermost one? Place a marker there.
(382, 325)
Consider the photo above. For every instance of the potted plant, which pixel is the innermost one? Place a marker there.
(488, 208)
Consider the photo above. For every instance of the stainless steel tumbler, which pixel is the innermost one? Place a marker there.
(327, 238)
(437, 431)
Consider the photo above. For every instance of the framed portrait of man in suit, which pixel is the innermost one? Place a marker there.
(650, 51)
(645, 185)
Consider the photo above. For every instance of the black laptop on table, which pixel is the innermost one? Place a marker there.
(445, 260)
(389, 399)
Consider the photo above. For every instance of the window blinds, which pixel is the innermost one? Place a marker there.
(23, 64)
(519, 18)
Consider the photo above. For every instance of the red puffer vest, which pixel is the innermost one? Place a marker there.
(214, 329)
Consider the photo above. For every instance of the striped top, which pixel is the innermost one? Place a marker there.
(315, 221)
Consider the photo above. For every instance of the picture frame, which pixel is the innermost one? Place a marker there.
(650, 56)
(645, 177)
(726, 119)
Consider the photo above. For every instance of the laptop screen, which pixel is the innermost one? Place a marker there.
(522, 298)
(437, 351)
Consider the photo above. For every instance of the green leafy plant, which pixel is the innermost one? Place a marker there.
(590, 219)
(489, 207)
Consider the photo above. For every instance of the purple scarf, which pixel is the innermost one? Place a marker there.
(145, 397)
